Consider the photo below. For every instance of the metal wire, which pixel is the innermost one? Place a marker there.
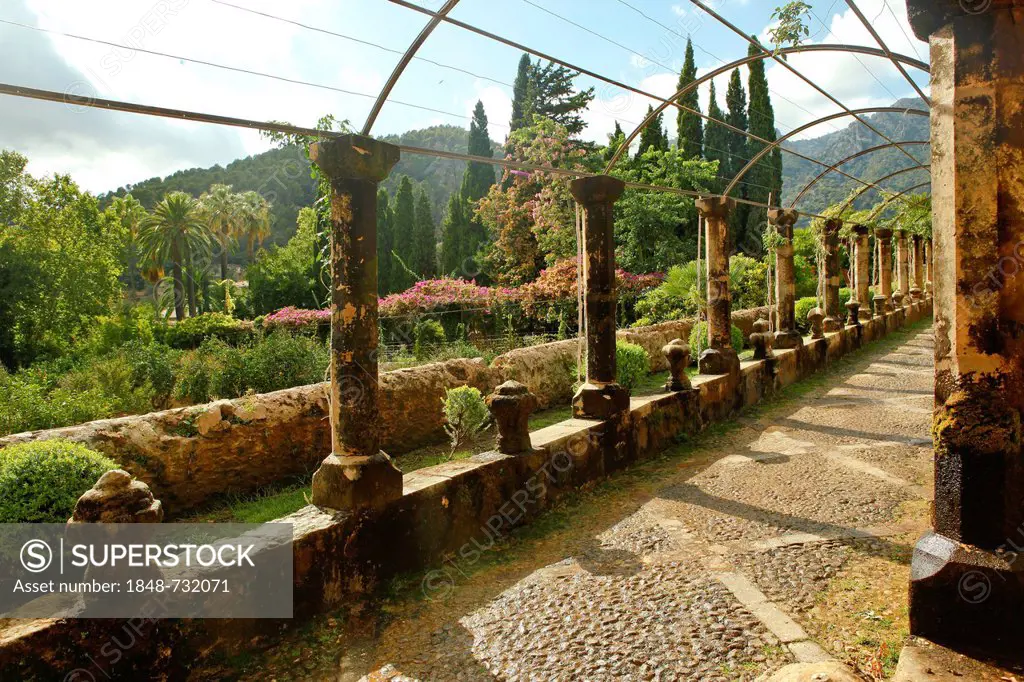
(888, 52)
(849, 158)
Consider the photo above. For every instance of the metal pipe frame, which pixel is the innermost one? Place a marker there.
(888, 52)
(851, 157)
(882, 206)
(789, 67)
(410, 52)
(860, 191)
(824, 119)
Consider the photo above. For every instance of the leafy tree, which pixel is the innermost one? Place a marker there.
(424, 261)
(176, 231)
(522, 97)
(653, 135)
(479, 176)
(791, 29)
(129, 214)
(736, 116)
(288, 275)
(615, 140)
(764, 179)
(716, 142)
(254, 221)
(404, 215)
(221, 207)
(689, 125)
(385, 244)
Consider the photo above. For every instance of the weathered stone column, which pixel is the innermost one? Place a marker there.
(862, 271)
(786, 336)
(928, 266)
(511, 405)
(356, 475)
(883, 237)
(600, 397)
(720, 357)
(917, 288)
(833, 313)
(967, 575)
(903, 266)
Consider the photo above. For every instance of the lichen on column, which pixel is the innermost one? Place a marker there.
(883, 239)
(720, 357)
(833, 314)
(862, 271)
(786, 336)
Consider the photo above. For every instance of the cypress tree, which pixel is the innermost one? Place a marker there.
(385, 242)
(404, 217)
(716, 141)
(479, 176)
(522, 97)
(424, 240)
(615, 140)
(653, 135)
(763, 179)
(736, 103)
(689, 126)
(454, 233)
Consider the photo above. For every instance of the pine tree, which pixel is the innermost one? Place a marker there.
(385, 243)
(653, 135)
(479, 176)
(404, 217)
(736, 103)
(424, 259)
(762, 180)
(716, 141)
(522, 97)
(554, 96)
(689, 126)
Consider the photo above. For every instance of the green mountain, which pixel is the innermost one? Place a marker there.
(283, 177)
(838, 145)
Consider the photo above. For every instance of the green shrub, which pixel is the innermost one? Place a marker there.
(192, 331)
(699, 338)
(806, 278)
(674, 299)
(429, 334)
(41, 481)
(748, 282)
(153, 364)
(228, 379)
(132, 324)
(802, 307)
(465, 414)
(112, 378)
(632, 364)
(192, 383)
(280, 360)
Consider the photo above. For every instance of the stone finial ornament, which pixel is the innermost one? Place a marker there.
(817, 317)
(853, 313)
(761, 340)
(116, 498)
(879, 301)
(511, 405)
(677, 352)
(897, 299)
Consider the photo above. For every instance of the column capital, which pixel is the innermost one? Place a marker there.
(860, 230)
(715, 207)
(355, 157)
(928, 16)
(901, 234)
(596, 189)
(783, 217)
(832, 226)
(883, 233)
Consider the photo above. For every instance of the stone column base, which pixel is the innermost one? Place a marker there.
(916, 294)
(718, 361)
(789, 338)
(880, 305)
(356, 483)
(833, 324)
(967, 599)
(600, 402)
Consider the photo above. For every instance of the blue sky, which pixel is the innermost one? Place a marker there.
(104, 150)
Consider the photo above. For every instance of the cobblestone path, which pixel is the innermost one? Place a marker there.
(717, 562)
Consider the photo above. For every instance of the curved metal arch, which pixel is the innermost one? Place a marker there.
(860, 191)
(881, 43)
(882, 206)
(824, 119)
(851, 157)
(825, 47)
(410, 52)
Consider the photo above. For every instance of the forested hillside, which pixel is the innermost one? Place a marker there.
(853, 138)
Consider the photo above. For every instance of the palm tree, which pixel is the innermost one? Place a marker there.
(176, 231)
(221, 207)
(130, 214)
(255, 220)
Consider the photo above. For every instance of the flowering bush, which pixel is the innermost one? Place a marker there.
(438, 294)
(297, 318)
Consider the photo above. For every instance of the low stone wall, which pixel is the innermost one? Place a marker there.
(191, 454)
(448, 513)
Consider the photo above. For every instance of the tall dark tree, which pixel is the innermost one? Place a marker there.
(653, 135)
(454, 233)
(522, 95)
(615, 140)
(424, 259)
(736, 116)
(385, 243)
(764, 179)
(554, 96)
(404, 217)
(689, 126)
(479, 176)
(716, 141)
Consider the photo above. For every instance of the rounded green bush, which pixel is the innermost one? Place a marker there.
(802, 307)
(699, 338)
(41, 481)
(429, 335)
(632, 364)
